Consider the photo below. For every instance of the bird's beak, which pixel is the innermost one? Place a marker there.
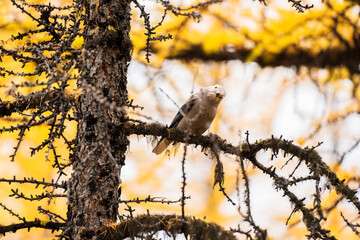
(219, 94)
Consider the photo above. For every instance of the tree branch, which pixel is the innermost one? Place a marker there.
(287, 57)
(145, 225)
(54, 226)
(309, 155)
(37, 183)
(248, 151)
(31, 101)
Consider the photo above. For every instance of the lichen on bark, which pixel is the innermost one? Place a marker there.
(100, 150)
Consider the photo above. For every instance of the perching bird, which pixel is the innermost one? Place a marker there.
(196, 115)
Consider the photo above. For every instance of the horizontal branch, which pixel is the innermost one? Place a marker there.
(248, 151)
(326, 58)
(144, 224)
(37, 183)
(17, 194)
(31, 101)
(151, 200)
(45, 224)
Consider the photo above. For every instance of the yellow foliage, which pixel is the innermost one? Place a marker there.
(311, 31)
(234, 26)
(301, 141)
(24, 165)
(44, 222)
(354, 107)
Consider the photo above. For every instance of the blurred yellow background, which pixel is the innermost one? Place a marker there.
(307, 105)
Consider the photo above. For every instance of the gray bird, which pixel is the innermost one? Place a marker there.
(196, 115)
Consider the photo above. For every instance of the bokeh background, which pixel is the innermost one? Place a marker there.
(237, 44)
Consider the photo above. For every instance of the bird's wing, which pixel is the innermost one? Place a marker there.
(183, 110)
(163, 143)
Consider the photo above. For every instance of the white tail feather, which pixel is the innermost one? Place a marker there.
(161, 146)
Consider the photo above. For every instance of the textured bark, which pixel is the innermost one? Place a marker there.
(100, 150)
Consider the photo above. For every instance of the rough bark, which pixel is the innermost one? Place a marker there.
(100, 151)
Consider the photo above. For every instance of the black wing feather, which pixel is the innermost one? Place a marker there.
(184, 109)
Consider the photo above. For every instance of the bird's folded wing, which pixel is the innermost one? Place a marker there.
(183, 110)
(186, 108)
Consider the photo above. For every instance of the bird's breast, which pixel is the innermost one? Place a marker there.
(197, 122)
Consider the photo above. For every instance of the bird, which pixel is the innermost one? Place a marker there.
(196, 115)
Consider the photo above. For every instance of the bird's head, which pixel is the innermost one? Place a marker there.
(214, 93)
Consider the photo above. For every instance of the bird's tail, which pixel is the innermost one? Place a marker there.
(161, 146)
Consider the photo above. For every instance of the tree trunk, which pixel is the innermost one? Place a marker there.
(100, 148)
